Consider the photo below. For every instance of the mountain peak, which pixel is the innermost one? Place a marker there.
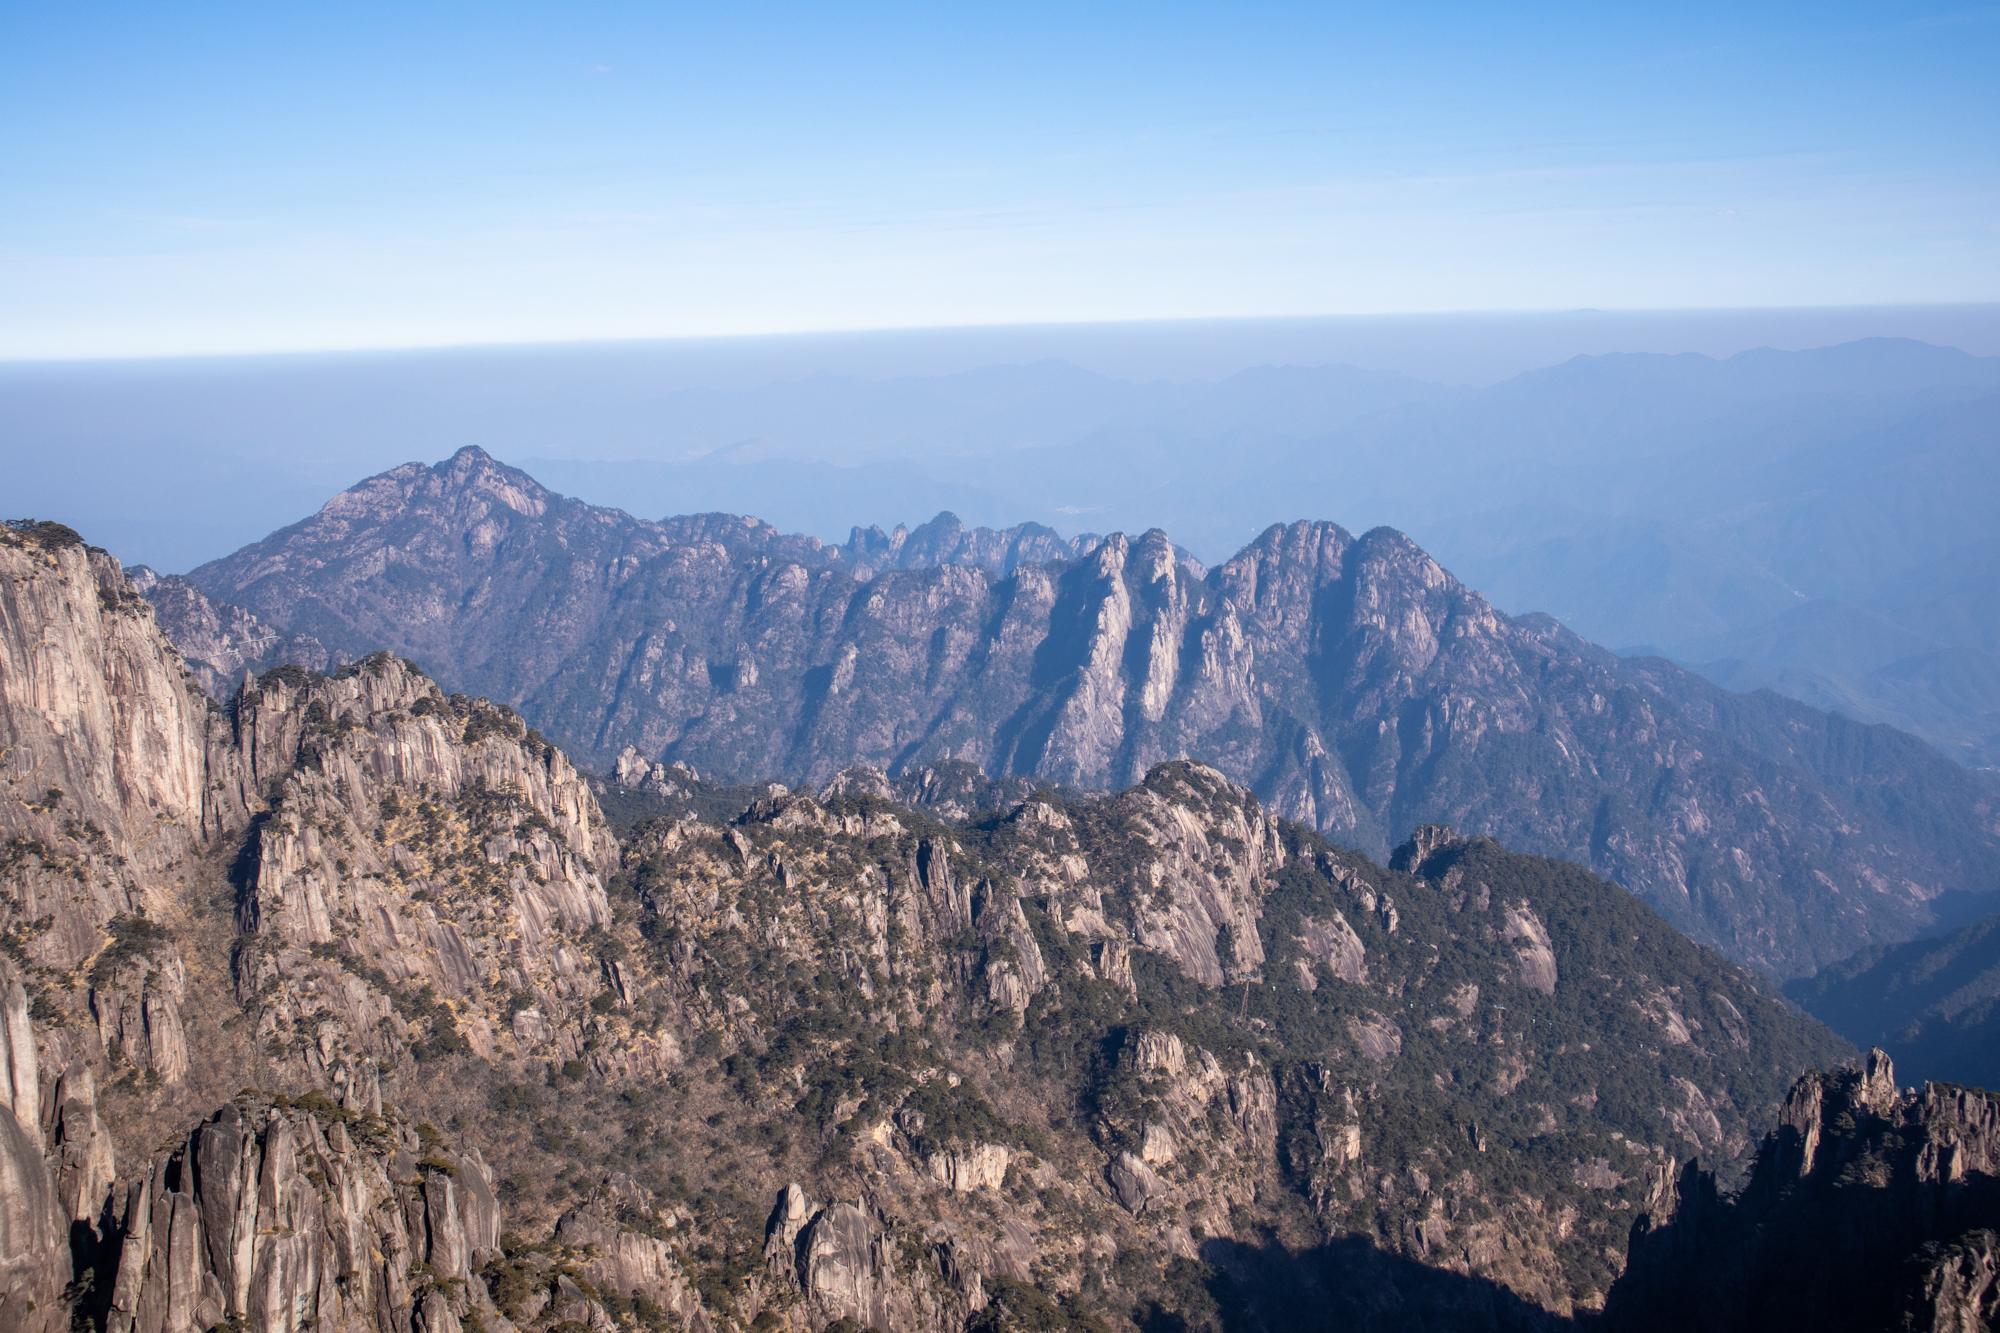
(474, 472)
(472, 463)
(1304, 534)
(1425, 841)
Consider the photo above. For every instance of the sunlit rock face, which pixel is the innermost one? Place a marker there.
(392, 1030)
(1350, 681)
(105, 789)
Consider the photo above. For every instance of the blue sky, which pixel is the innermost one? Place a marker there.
(217, 177)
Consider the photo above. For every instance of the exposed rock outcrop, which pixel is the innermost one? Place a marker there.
(281, 1217)
(424, 875)
(1869, 1207)
(1350, 680)
(633, 1262)
(34, 1250)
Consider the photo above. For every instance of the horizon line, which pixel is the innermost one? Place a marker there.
(891, 330)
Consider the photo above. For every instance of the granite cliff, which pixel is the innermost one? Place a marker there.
(1869, 1207)
(344, 1006)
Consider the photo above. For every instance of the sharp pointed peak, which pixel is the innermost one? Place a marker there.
(473, 461)
(471, 469)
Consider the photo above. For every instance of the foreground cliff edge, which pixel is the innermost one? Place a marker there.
(1868, 1207)
(344, 1006)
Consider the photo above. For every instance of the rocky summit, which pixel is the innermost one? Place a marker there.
(1350, 682)
(345, 1005)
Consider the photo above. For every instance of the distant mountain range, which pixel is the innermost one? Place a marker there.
(1817, 522)
(1812, 521)
(1350, 681)
(1935, 1002)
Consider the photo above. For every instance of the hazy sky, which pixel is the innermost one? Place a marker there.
(183, 177)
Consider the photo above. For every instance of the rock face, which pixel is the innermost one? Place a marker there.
(34, 1252)
(420, 879)
(1869, 1207)
(1083, 1057)
(104, 781)
(846, 1264)
(282, 1218)
(634, 1265)
(1351, 681)
(114, 790)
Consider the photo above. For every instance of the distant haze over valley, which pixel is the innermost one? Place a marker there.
(283, 431)
(1814, 521)
(1009, 669)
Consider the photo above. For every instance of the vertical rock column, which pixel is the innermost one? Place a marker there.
(34, 1261)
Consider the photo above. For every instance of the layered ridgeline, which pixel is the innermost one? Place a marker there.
(219, 641)
(1934, 1002)
(1349, 681)
(344, 1007)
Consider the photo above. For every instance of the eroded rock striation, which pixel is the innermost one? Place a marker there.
(1350, 681)
(274, 1216)
(34, 1251)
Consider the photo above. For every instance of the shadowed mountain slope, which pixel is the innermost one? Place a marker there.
(1933, 1003)
(1868, 1208)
